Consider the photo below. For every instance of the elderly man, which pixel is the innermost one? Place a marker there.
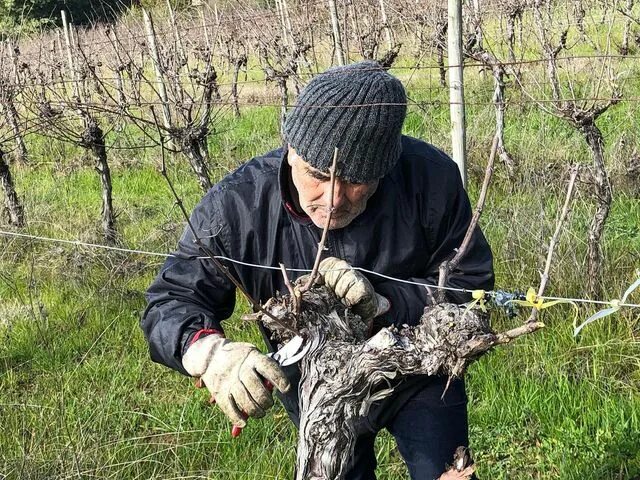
(400, 210)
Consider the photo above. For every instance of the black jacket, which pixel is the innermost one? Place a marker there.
(415, 219)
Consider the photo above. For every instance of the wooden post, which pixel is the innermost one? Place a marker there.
(283, 24)
(67, 39)
(456, 87)
(624, 46)
(287, 20)
(385, 22)
(335, 27)
(205, 33)
(59, 69)
(157, 65)
(81, 80)
(176, 35)
(120, 66)
(345, 30)
(14, 61)
(477, 23)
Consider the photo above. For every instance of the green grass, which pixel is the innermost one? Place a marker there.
(79, 396)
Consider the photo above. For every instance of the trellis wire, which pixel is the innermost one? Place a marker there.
(109, 80)
(300, 270)
(506, 63)
(101, 106)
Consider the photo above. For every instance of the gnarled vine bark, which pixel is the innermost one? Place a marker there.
(344, 372)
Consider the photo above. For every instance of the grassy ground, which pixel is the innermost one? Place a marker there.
(80, 398)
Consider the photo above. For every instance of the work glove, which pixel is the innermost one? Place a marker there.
(353, 289)
(236, 374)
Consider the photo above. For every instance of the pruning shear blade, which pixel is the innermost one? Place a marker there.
(291, 352)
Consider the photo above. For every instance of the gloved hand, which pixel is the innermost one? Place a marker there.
(353, 288)
(235, 374)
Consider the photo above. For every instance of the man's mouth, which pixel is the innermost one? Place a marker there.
(323, 209)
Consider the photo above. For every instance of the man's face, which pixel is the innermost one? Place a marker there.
(314, 194)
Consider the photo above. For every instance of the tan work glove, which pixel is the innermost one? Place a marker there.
(235, 374)
(353, 288)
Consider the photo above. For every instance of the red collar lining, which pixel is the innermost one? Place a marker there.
(293, 212)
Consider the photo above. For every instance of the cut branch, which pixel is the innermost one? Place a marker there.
(314, 272)
(544, 278)
(450, 265)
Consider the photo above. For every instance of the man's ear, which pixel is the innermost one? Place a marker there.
(291, 155)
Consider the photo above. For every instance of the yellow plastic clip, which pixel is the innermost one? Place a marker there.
(533, 300)
(478, 299)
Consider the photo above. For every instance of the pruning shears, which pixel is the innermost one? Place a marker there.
(289, 354)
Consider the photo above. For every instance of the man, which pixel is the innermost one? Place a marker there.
(400, 210)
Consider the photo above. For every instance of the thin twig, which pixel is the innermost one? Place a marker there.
(287, 282)
(544, 278)
(506, 337)
(219, 265)
(626, 14)
(448, 266)
(323, 239)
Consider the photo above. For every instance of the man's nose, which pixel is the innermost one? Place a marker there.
(339, 193)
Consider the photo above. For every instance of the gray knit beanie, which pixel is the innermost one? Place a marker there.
(359, 108)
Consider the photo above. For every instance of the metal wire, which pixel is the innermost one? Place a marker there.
(303, 270)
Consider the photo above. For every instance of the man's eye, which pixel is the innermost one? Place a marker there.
(319, 176)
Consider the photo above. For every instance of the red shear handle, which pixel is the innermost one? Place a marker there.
(236, 430)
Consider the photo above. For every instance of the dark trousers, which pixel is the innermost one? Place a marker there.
(427, 427)
(427, 430)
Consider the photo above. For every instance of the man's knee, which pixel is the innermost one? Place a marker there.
(430, 427)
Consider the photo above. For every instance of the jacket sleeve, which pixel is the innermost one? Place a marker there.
(447, 217)
(189, 293)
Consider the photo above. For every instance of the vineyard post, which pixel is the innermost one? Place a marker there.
(14, 60)
(182, 57)
(442, 25)
(119, 67)
(280, 11)
(624, 46)
(71, 66)
(155, 57)
(456, 87)
(335, 26)
(287, 18)
(385, 23)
